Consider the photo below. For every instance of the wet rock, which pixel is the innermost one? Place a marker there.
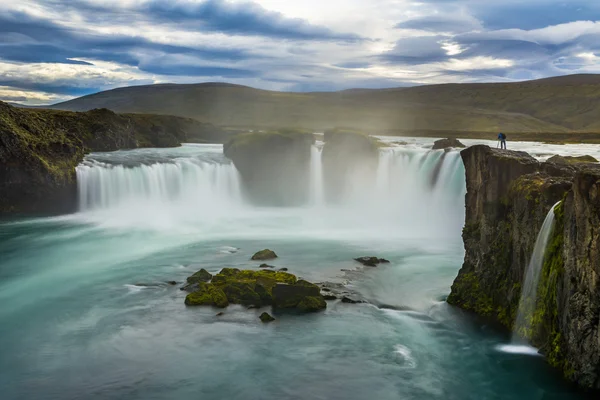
(172, 283)
(330, 297)
(302, 295)
(266, 266)
(283, 269)
(572, 159)
(200, 276)
(207, 295)
(447, 143)
(220, 314)
(371, 261)
(266, 317)
(264, 255)
(350, 300)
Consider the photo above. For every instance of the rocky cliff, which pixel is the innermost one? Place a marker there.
(275, 166)
(39, 150)
(508, 196)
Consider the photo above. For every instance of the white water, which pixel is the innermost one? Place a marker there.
(532, 279)
(316, 175)
(197, 188)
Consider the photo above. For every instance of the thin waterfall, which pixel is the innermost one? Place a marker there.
(528, 299)
(316, 175)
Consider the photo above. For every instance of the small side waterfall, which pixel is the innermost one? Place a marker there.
(532, 278)
(316, 175)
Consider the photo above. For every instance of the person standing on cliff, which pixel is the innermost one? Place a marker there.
(502, 140)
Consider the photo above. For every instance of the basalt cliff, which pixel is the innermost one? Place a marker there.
(39, 150)
(509, 194)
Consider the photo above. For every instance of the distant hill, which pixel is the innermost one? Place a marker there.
(559, 104)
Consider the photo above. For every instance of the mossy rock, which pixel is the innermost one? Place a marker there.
(266, 317)
(312, 304)
(207, 295)
(200, 276)
(290, 296)
(264, 255)
(572, 159)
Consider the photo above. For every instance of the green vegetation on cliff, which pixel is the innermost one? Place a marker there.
(39, 149)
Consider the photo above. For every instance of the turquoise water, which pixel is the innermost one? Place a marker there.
(87, 313)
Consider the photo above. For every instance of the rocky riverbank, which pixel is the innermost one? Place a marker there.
(508, 196)
(39, 150)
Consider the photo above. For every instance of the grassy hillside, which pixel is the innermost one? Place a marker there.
(555, 105)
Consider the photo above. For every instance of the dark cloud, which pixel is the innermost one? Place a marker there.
(241, 19)
(416, 50)
(447, 22)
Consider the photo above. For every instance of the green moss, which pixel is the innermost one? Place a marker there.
(467, 294)
(200, 276)
(263, 255)
(207, 295)
(266, 317)
(312, 304)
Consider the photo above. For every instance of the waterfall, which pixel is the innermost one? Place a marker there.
(412, 193)
(528, 299)
(187, 183)
(316, 175)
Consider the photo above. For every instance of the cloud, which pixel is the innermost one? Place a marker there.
(443, 23)
(245, 18)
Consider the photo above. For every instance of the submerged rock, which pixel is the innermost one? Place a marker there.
(266, 266)
(371, 261)
(264, 255)
(283, 269)
(172, 283)
(447, 143)
(266, 317)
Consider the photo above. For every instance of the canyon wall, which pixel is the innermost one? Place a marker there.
(509, 194)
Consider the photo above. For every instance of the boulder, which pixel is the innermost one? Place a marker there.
(266, 317)
(447, 143)
(312, 304)
(207, 295)
(264, 255)
(291, 296)
(200, 276)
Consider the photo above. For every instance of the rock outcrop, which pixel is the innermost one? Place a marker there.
(508, 197)
(447, 144)
(572, 159)
(348, 157)
(274, 166)
(39, 150)
(256, 289)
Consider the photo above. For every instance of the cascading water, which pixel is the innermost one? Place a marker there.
(414, 192)
(532, 278)
(316, 175)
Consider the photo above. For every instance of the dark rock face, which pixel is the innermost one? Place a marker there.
(348, 157)
(39, 150)
(508, 197)
(447, 143)
(275, 166)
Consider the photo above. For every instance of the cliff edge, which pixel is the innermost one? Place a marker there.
(509, 194)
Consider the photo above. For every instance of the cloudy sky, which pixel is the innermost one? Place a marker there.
(54, 50)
